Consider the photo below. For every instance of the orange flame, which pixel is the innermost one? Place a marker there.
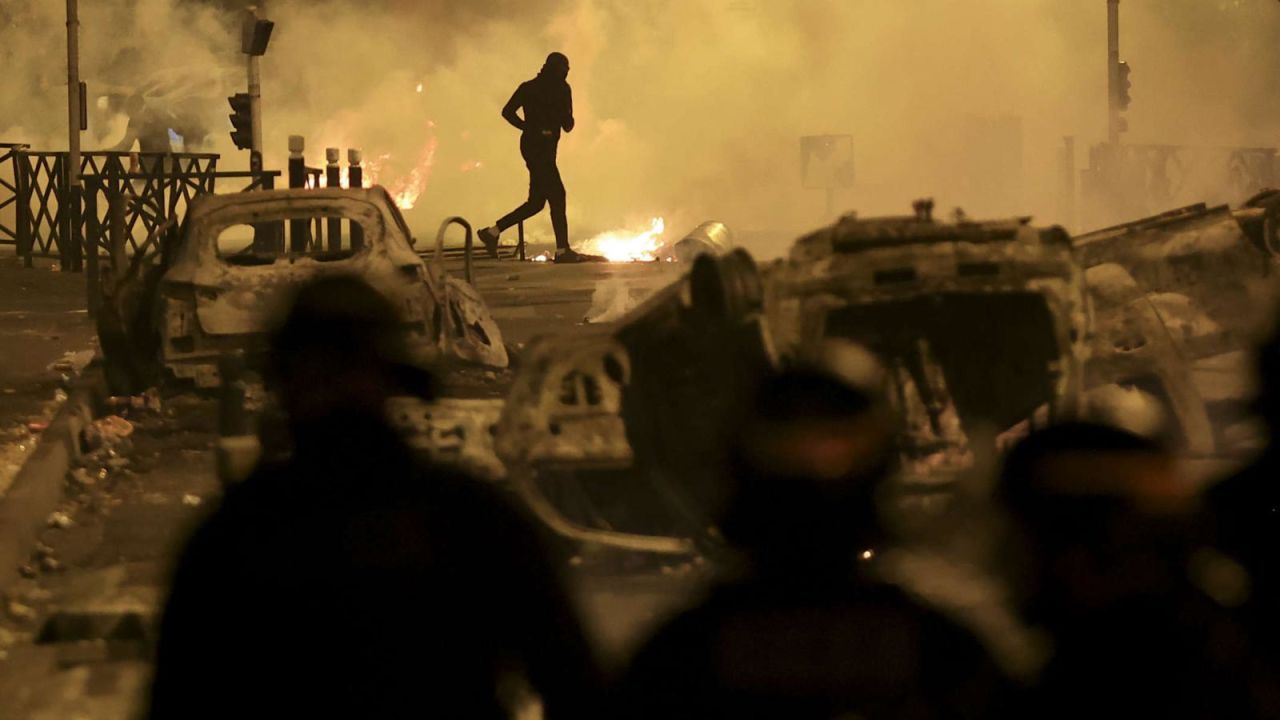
(628, 246)
(407, 190)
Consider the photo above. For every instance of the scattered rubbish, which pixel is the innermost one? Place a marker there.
(10, 391)
(49, 563)
(28, 571)
(71, 362)
(81, 476)
(107, 432)
(20, 612)
(118, 463)
(59, 395)
(610, 301)
(192, 500)
(38, 426)
(149, 400)
(60, 520)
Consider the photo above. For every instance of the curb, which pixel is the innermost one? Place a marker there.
(39, 487)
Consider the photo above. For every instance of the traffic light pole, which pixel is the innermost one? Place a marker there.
(71, 201)
(1113, 72)
(255, 104)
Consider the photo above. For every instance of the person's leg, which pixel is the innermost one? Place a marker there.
(532, 206)
(556, 198)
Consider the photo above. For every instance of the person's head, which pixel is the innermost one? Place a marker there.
(556, 66)
(338, 352)
(806, 465)
(1098, 509)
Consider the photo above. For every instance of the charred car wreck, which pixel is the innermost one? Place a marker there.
(986, 330)
(175, 311)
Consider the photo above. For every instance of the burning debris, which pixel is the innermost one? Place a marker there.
(408, 189)
(629, 246)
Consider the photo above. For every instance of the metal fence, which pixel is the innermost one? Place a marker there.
(40, 218)
(1124, 182)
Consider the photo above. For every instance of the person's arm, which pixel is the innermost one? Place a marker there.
(509, 110)
(568, 110)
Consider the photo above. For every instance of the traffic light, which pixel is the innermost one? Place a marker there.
(241, 120)
(1123, 85)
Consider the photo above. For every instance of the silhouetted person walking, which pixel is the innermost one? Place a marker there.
(810, 630)
(1137, 613)
(547, 103)
(353, 580)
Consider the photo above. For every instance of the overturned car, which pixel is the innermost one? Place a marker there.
(179, 307)
(981, 325)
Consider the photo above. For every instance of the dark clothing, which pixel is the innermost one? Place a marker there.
(545, 187)
(802, 649)
(1245, 515)
(547, 104)
(1134, 632)
(354, 582)
(1172, 656)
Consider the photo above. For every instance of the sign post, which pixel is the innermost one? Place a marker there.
(826, 163)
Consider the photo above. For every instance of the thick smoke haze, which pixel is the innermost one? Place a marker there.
(686, 109)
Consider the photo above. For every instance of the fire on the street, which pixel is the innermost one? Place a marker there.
(406, 190)
(628, 245)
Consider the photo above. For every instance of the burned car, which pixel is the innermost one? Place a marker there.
(981, 326)
(611, 435)
(220, 287)
(1176, 300)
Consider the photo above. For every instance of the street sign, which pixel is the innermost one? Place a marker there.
(826, 161)
(256, 35)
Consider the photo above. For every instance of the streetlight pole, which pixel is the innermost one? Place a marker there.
(1113, 72)
(72, 199)
(255, 94)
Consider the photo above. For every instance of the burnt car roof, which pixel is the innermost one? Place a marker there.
(210, 203)
(853, 234)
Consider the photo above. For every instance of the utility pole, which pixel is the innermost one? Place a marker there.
(255, 99)
(256, 37)
(1113, 72)
(74, 123)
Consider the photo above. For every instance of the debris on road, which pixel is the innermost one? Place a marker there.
(82, 477)
(192, 500)
(60, 520)
(20, 612)
(149, 401)
(107, 432)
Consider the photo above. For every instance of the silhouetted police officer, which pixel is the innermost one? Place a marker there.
(811, 630)
(351, 579)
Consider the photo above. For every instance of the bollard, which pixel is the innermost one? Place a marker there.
(299, 233)
(355, 179)
(238, 447)
(333, 178)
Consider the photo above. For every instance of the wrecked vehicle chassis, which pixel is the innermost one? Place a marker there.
(238, 260)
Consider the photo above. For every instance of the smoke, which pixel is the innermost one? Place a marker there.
(689, 109)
